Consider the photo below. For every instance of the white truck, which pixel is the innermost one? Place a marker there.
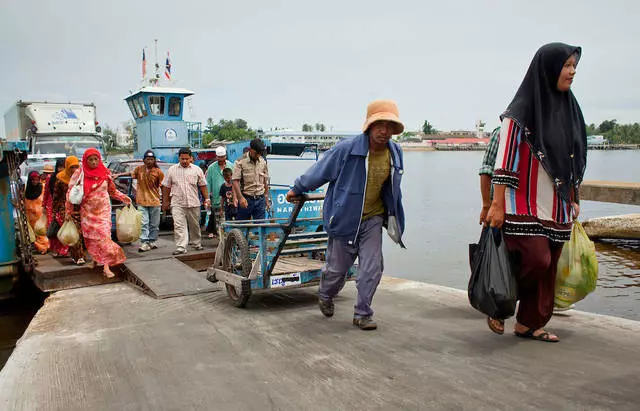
(53, 130)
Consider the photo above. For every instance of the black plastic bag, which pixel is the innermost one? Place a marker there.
(492, 286)
(54, 227)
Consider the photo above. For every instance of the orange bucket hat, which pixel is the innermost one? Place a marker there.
(383, 110)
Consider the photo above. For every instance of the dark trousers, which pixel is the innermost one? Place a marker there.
(255, 209)
(536, 277)
(340, 257)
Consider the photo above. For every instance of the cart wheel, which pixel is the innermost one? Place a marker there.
(236, 260)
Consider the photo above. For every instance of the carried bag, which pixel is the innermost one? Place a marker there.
(577, 272)
(68, 233)
(32, 235)
(52, 230)
(40, 227)
(128, 224)
(492, 287)
(76, 193)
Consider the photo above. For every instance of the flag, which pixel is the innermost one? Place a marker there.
(167, 68)
(144, 65)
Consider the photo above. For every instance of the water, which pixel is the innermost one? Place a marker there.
(15, 315)
(442, 205)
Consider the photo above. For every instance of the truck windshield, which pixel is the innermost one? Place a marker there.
(67, 145)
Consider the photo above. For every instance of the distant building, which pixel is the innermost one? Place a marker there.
(124, 139)
(596, 141)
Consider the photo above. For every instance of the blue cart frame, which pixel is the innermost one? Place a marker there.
(276, 253)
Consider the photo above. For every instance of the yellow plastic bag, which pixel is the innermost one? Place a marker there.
(128, 224)
(68, 233)
(40, 227)
(32, 235)
(577, 273)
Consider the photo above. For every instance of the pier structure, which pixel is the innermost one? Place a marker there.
(111, 347)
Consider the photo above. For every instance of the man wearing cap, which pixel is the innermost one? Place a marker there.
(364, 175)
(180, 191)
(251, 183)
(149, 178)
(214, 181)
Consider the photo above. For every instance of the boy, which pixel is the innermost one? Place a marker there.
(227, 200)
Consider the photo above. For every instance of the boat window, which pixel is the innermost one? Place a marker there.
(175, 106)
(143, 108)
(156, 105)
(133, 109)
(136, 104)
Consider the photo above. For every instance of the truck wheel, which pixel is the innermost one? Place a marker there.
(236, 260)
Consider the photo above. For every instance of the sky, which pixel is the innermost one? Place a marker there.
(284, 63)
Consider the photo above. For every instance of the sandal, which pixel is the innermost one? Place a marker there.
(493, 327)
(80, 261)
(543, 336)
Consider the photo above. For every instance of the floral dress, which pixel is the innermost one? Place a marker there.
(95, 221)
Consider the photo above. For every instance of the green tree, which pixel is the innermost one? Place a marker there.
(307, 127)
(227, 130)
(617, 133)
(427, 128)
(606, 126)
(240, 123)
(591, 129)
(320, 127)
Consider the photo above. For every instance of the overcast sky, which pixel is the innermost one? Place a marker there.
(283, 63)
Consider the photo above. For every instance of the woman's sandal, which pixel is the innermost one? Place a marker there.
(492, 326)
(543, 336)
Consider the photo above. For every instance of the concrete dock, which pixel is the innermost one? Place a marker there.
(111, 347)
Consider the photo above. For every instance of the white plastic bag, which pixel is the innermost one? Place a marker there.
(68, 233)
(40, 227)
(128, 224)
(76, 193)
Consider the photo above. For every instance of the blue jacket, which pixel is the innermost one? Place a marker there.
(344, 167)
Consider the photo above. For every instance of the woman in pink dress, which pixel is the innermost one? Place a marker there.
(95, 210)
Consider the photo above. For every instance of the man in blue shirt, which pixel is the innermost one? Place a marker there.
(364, 175)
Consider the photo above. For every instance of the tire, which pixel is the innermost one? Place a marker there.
(236, 260)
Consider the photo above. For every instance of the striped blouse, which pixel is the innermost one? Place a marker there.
(532, 205)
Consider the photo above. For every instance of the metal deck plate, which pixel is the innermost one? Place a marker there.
(168, 277)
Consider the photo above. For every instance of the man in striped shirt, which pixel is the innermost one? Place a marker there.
(180, 191)
(486, 172)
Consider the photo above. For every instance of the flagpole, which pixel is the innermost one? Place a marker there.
(157, 74)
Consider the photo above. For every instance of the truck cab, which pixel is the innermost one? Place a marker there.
(53, 130)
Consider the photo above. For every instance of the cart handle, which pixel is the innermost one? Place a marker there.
(303, 198)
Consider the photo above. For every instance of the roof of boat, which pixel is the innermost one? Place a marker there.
(163, 90)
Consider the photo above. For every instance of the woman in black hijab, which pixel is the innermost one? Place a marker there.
(539, 168)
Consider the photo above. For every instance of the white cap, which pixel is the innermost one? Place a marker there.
(221, 151)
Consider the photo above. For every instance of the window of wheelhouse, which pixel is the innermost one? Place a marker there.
(143, 108)
(136, 105)
(156, 105)
(133, 109)
(175, 106)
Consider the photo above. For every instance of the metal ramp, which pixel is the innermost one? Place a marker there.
(167, 277)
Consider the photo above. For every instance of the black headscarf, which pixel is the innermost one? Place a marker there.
(551, 119)
(33, 191)
(53, 178)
